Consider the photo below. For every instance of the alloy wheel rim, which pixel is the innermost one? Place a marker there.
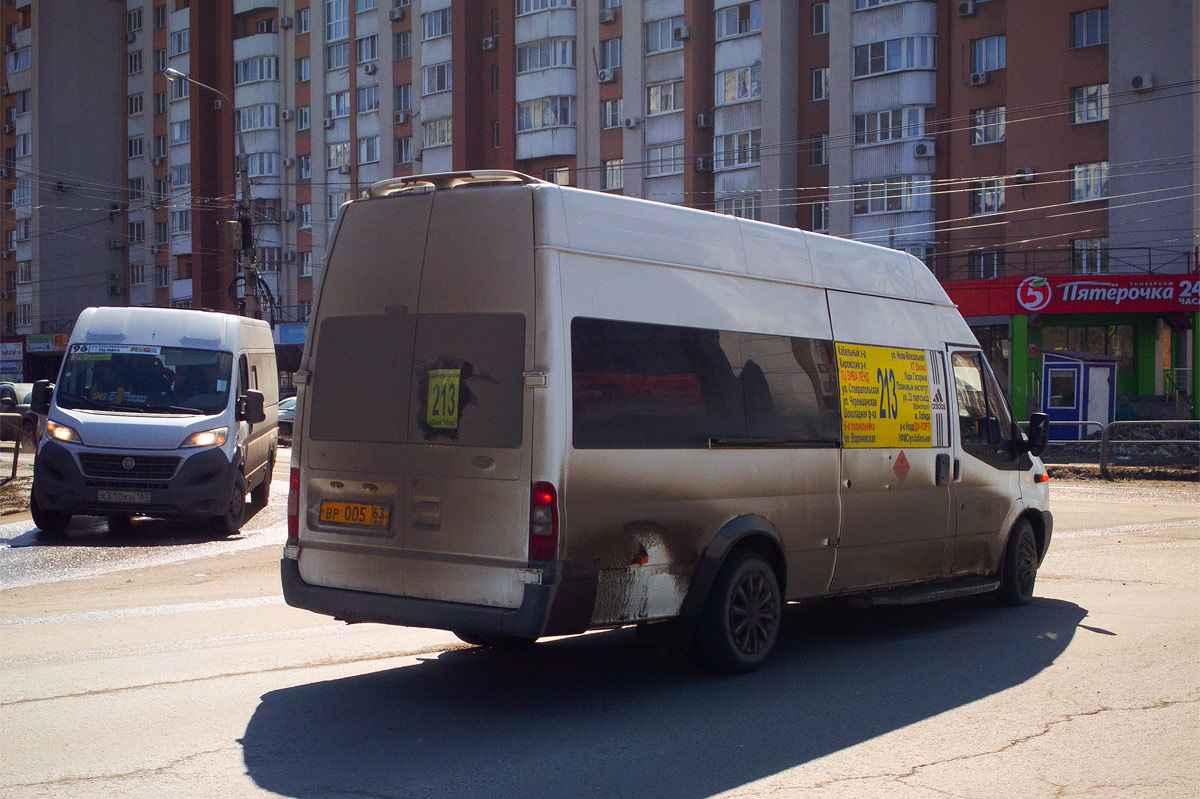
(752, 613)
(1026, 565)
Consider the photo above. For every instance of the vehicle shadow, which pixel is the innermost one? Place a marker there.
(93, 531)
(597, 716)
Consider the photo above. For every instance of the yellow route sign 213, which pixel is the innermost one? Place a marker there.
(885, 396)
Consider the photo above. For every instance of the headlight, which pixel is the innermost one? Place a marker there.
(206, 438)
(60, 432)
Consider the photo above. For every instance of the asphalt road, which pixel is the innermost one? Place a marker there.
(166, 664)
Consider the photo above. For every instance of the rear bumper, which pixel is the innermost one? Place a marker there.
(561, 605)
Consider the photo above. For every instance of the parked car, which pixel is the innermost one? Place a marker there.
(287, 415)
(14, 398)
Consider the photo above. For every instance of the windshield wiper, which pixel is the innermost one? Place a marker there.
(91, 403)
(174, 409)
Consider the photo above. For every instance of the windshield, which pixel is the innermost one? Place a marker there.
(151, 379)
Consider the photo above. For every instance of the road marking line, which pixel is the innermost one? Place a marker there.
(151, 610)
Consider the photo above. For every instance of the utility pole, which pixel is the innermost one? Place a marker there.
(242, 227)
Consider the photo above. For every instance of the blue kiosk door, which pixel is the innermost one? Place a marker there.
(1079, 389)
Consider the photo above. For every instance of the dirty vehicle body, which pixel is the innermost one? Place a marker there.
(575, 410)
(160, 412)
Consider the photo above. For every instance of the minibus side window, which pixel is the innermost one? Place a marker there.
(984, 421)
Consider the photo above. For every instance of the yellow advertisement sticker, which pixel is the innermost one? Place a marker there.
(885, 397)
(441, 405)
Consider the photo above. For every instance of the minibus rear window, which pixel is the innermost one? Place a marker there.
(644, 386)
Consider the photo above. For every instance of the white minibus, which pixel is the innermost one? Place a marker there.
(529, 410)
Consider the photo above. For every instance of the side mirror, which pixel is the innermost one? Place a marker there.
(251, 407)
(39, 402)
(1039, 433)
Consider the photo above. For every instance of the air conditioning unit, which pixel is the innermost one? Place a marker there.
(681, 33)
(5, 172)
(1142, 83)
(285, 23)
(131, 37)
(8, 128)
(159, 160)
(113, 276)
(418, 154)
(327, 123)
(216, 105)
(979, 78)
(113, 288)
(1023, 175)
(344, 169)
(632, 122)
(966, 8)
(924, 149)
(704, 163)
(608, 15)
(5, 295)
(289, 162)
(289, 216)
(607, 75)
(116, 244)
(287, 115)
(396, 14)
(371, 68)
(290, 256)
(156, 249)
(704, 121)
(400, 117)
(7, 254)
(489, 42)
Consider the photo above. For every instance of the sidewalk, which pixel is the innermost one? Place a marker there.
(14, 491)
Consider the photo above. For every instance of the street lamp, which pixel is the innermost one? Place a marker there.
(247, 241)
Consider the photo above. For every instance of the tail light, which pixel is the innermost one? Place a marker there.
(293, 508)
(543, 522)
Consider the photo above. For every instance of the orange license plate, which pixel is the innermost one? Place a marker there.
(356, 513)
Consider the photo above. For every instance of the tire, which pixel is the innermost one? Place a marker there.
(741, 619)
(230, 522)
(1018, 570)
(52, 523)
(261, 494)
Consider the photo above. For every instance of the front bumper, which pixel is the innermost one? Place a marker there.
(561, 605)
(199, 487)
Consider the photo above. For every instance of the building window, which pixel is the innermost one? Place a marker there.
(25, 145)
(162, 232)
(181, 221)
(337, 20)
(546, 54)
(894, 55)
(985, 265)
(660, 35)
(610, 53)
(160, 60)
(268, 258)
(137, 274)
(181, 175)
(303, 69)
(545, 112)
(262, 164)
(904, 193)
(533, 6)
(435, 24)
(160, 102)
(304, 307)
(160, 16)
(404, 97)
(402, 45)
(1089, 256)
(181, 42)
(133, 20)
(367, 99)
(337, 154)
(24, 271)
(1089, 28)
(160, 146)
(438, 132)
(892, 124)
(368, 150)
(304, 167)
(333, 201)
(337, 105)
(819, 216)
(304, 261)
(739, 85)
(987, 196)
(559, 175)
(134, 104)
(162, 277)
(614, 173)
(437, 78)
(264, 26)
(180, 90)
(137, 189)
(746, 206)
(1089, 103)
(664, 159)
(181, 132)
(19, 60)
(303, 21)
(987, 125)
(664, 98)
(610, 113)
(818, 149)
(988, 55)
(24, 314)
(367, 48)
(404, 150)
(820, 83)
(736, 149)
(133, 61)
(251, 70)
(365, 5)
(738, 20)
(337, 56)
(135, 147)
(258, 117)
(1089, 181)
(820, 19)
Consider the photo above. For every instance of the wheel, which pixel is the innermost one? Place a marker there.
(120, 523)
(1018, 570)
(230, 522)
(261, 494)
(741, 618)
(51, 522)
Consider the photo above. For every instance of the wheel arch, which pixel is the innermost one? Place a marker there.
(750, 532)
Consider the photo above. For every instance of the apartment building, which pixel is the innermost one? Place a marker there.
(997, 140)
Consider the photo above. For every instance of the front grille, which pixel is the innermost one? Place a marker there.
(126, 485)
(145, 467)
